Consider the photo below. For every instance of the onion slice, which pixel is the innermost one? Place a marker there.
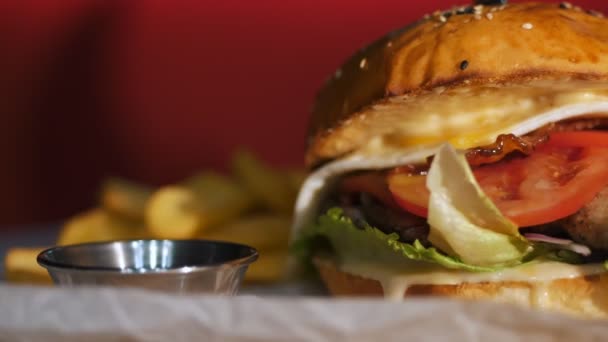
(562, 243)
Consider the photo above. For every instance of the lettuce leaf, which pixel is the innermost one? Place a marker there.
(463, 221)
(369, 243)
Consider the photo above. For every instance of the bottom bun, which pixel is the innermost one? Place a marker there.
(585, 296)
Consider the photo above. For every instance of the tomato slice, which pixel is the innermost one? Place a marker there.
(416, 198)
(555, 181)
(580, 138)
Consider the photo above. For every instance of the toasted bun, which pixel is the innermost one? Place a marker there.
(582, 296)
(459, 49)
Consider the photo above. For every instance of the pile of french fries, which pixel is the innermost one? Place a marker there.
(253, 206)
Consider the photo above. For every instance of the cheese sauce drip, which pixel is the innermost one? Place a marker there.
(539, 296)
(396, 281)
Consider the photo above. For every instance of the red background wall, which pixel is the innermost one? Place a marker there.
(154, 90)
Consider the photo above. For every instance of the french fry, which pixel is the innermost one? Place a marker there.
(172, 213)
(262, 231)
(21, 267)
(99, 225)
(125, 198)
(270, 267)
(206, 200)
(224, 188)
(269, 186)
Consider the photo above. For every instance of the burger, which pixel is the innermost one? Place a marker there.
(466, 155)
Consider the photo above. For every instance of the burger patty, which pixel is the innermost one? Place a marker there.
(589, 225)
(362, 208)
(409, 227)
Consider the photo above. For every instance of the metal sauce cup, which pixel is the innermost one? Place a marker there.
(179, 266)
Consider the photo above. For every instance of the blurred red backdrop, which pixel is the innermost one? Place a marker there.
(155, 90)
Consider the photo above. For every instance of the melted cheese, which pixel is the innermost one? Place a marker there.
(396, 281)
(447, 116)
(471, 116)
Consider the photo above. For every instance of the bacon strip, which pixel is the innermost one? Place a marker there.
(508, 143)
(504, 145)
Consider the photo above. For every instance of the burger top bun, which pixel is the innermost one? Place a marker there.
(469, 47)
